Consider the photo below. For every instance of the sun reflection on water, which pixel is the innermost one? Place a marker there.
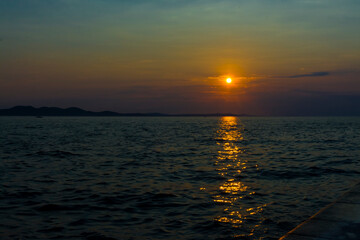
(230, 165)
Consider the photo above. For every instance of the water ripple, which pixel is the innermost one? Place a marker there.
(170, 178)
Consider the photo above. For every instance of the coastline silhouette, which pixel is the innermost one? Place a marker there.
(74, 111)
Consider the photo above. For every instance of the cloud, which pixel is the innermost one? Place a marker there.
(313, 74)
(295, 103)
(340, 72)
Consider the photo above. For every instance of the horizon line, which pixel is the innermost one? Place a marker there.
(28, 110)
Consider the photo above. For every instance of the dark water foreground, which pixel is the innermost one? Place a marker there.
(170, 178)
(338, 220)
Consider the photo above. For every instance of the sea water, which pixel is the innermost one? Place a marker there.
(170, 177)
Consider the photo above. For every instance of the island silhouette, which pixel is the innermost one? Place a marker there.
(75, 111)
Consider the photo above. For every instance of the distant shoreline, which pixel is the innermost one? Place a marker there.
(29, 111)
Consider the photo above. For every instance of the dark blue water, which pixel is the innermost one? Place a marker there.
(170, 178)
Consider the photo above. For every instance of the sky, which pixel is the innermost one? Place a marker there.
(285, 57)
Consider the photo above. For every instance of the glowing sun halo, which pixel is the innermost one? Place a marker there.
(228, 80)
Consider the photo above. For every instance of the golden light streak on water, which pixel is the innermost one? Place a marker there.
(229, 163)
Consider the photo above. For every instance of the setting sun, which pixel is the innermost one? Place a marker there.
(229, 80)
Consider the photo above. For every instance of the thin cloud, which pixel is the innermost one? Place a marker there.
(313, 74)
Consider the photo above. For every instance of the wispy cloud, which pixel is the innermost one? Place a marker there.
(313, 74)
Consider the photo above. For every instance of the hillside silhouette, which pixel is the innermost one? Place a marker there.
(74, 111)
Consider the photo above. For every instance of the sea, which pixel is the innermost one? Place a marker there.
(135, 178)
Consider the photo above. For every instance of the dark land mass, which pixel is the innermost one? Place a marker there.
(73, 111)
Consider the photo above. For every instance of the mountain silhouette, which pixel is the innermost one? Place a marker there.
(74, 111)
(51, 111)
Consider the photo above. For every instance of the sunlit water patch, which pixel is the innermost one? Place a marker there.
(170, 178)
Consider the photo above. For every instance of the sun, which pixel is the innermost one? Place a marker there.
(229, 80)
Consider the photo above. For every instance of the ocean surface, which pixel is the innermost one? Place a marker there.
(170, 177)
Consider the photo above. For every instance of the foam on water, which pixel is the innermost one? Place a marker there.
(170, 178)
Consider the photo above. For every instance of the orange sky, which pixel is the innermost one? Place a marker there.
(285, 58)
